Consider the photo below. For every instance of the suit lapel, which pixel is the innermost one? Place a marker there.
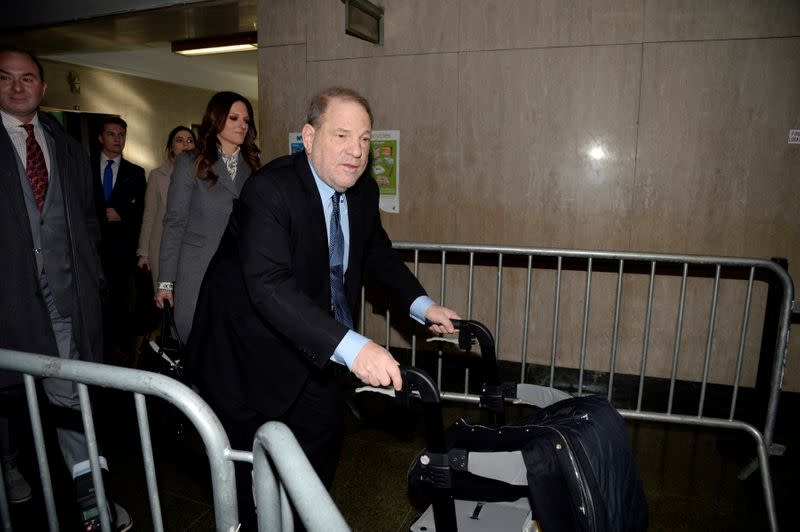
(122, 177)
(10, 178)
(58, 160)
(355, 210)
(223, 177)
(242, 173)
(314, 213)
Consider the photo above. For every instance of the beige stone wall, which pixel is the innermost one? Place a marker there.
(151, 108)
(499, 103)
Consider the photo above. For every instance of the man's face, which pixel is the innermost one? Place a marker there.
(112, 140)
(21, 87)
(339, 147)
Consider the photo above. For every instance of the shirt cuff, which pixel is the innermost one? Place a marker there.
(348, 349)
(419, 307)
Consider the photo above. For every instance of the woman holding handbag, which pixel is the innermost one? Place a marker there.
(200, 199)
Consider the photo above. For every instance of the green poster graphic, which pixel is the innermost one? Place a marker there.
(384, 165)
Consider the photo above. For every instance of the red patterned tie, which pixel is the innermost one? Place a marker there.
(35, 167)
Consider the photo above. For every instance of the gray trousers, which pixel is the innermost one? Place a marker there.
(60, 393)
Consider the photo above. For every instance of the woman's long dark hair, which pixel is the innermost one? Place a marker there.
(213, 123)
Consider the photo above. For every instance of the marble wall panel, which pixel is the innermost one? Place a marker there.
(547, 140)
(678, 20)
(715, 173)
(504, 24)
(282, 93)
(282, 22)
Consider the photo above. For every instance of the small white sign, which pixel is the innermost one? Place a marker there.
(295, 142)
(794, 136)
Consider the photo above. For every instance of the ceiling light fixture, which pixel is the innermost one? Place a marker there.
(238, 42)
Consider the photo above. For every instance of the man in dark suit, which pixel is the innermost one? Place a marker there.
(119, 198)
(50, 303)
(276, 304)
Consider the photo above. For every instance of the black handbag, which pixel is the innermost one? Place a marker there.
(164, 353)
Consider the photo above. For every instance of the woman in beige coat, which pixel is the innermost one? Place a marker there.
(180, 139)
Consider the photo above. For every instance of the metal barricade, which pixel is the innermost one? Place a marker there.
(296, 481)
(654, 291)
(141, 383)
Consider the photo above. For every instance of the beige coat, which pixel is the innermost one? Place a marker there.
(155, 205)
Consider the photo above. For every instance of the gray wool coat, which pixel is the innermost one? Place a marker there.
(196, 217)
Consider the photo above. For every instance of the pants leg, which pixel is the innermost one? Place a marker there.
(317, 421)
(8, 446)
(61, 393)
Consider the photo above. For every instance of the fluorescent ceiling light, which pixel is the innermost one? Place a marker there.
(239, 42)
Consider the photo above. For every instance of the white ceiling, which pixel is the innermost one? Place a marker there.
(236, 72)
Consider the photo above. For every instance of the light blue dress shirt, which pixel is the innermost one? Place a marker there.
(347, 350)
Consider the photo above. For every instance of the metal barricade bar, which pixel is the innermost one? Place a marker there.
(296, 481)
(208, 426)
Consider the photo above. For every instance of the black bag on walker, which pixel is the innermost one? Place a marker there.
(581, 474)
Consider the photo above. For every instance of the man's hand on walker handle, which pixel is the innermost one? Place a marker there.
(375, 366)
(439, 319)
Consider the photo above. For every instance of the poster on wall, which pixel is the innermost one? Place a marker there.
(384, 167)
(295, 142)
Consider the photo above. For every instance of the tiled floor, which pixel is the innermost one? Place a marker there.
(689, 474)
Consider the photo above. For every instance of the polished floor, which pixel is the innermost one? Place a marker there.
(690, 475)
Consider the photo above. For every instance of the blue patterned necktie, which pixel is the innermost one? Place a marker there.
(108, 179)
(338, 300)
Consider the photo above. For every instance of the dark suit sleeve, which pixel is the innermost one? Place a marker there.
(266, 217)
(90, 212)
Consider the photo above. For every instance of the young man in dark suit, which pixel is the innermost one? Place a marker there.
(50, 302)
(119, 198)
(276, 306)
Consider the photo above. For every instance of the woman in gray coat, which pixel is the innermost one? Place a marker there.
(200, 200)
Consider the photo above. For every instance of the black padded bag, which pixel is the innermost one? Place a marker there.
(582, 475)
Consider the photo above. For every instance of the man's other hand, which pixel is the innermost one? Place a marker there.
(440, 317)
(376, 367)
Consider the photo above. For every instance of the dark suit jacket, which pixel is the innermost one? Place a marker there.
(263, 320)
(120, 239)
(24, 321)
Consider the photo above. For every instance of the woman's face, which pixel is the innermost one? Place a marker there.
(235, 130)
(182, 141)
